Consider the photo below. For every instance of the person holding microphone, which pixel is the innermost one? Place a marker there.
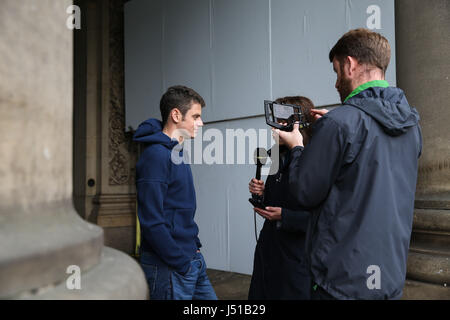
(280, 269)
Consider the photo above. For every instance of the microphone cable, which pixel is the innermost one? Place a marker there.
(256, 232)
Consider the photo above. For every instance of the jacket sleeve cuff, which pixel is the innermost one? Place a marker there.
(296, 152)
(198, 243)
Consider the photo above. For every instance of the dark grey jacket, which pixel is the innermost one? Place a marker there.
(358, 176)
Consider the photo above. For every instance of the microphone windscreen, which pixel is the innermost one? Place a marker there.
(260, 156)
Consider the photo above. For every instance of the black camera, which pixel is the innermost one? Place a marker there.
(283, 116)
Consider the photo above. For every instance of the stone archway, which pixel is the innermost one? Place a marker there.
(104, 155)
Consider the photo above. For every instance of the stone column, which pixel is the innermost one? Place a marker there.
(41, 235)
(423, 72)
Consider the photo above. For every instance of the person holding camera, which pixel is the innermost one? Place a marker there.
(358, 177)
(279, 268)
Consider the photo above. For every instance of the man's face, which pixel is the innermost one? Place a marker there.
(192, 120)
(343, 83)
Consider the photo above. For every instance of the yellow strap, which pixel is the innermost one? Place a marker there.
(138, 233)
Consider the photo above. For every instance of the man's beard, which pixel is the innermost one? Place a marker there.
(344, 88)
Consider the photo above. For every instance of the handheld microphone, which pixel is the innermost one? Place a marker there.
(260, 156)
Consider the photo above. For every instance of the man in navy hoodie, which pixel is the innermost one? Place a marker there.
(358, 177)
(170, 247)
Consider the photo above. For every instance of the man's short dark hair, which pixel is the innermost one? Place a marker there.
(366, 46)
(179, 97)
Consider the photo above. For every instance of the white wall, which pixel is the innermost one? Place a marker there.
(236, 53)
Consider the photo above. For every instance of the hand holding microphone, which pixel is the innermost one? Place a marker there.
(255, 188)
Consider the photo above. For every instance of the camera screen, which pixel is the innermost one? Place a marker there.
(283, 112)
(280, 113)
(283, 116)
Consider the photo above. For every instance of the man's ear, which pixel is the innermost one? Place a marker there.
(176, 115)
(351, 66)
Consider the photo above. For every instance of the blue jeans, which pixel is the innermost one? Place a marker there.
(166, 284)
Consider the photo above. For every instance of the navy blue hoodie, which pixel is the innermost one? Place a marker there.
(166, 199)
(358, 176)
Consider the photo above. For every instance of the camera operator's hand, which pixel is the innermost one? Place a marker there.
(318, 113)
(256, 187)
(291, 139)
(271, 213)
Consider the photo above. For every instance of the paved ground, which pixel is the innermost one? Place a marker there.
(229, 285)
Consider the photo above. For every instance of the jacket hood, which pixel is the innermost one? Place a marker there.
(150, 131)
(389, 107)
